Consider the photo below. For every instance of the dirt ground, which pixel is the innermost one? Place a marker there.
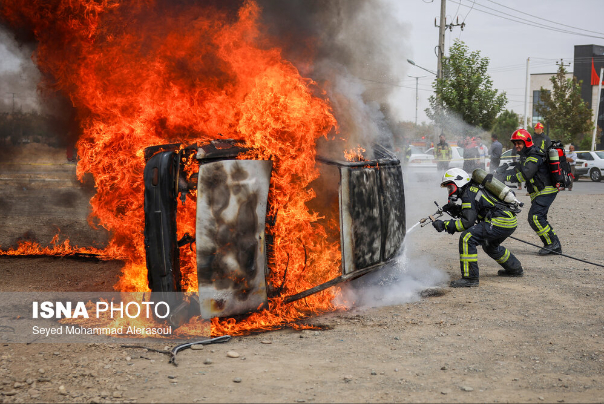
(533, 339)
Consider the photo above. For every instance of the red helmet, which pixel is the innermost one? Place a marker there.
(539, 125)
(522, 134)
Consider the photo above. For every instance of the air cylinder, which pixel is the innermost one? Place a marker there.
(496, 187)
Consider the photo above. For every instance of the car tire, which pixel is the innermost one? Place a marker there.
(595, 175)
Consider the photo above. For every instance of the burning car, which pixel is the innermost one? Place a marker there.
(233, 236)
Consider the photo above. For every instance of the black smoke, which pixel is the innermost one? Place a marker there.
(353, 49)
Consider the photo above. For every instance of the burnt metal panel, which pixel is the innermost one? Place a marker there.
(372, 214)
(231, 256)
(392, 195)
(162, 255)
(364, 211)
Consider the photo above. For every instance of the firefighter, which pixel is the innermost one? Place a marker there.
(442, 154)
(470, 154)
(541, 140)
(532, 169)
(482, 221)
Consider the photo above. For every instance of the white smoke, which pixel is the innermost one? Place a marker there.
(19, 76)
(404, 279)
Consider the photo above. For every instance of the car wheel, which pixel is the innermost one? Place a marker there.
(595, 175)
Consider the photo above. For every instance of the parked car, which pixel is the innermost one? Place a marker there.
(506, 155)
(590, 163)
(420, 165)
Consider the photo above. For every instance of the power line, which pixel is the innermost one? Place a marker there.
(544, 19)
(517, 67)
(519, 20)
(389, 84)
(471, 8)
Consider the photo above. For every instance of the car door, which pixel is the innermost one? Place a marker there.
(583, 162)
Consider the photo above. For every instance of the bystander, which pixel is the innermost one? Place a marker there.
(571, 158)
(495, 152)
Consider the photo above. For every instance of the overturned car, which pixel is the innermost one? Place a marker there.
(230, 238)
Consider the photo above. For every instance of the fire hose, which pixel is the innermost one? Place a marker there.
(556, 252)
(439, 213)
(177, 348)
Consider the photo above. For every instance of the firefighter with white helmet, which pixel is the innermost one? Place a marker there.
(482, 220)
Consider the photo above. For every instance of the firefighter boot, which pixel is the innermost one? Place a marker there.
(554, 247)
(465, 283)
(511, 267)
(506, 272)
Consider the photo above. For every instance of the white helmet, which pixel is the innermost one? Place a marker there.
(455, 179)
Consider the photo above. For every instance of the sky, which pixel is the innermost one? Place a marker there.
(507, 32)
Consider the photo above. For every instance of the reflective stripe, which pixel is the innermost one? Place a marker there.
(542, 232)
(504, 257)
(466, 205)
(507, 223)
(488, 200)
(459, 225)
(520, 177)
(545, 191)
(464, 249)
(545, 230)
(469, 258)
(533, 159)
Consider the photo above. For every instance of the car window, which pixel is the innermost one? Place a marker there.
(507, 153)
(585, 156)
(430, 151)
(600, 154)
(459, 150)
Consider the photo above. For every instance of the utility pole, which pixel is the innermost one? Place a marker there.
(526, 93)
(442, 28)
(561, 63)
(441, 38)
(416, 93)
(13, 102)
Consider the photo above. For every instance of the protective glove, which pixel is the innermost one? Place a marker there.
(502, 168)
(439, 225)
(450, 230)
(512, 164)
(452, 209)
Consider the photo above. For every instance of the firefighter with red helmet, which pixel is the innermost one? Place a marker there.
(540, 139)
(482, 221)
(532, 169)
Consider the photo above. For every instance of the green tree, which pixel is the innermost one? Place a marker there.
(563, 109)
(466, 91)
(505, 124)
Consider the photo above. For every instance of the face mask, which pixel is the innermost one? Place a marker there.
(452, 189)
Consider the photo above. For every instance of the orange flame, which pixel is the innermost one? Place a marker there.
(355, 154)
(142, 73)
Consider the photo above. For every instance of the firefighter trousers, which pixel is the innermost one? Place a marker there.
(537, 218)
(490, 238)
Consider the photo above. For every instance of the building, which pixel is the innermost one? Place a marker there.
(588, 60)
(538, 81)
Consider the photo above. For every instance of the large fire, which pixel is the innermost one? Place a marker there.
(142, 73)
